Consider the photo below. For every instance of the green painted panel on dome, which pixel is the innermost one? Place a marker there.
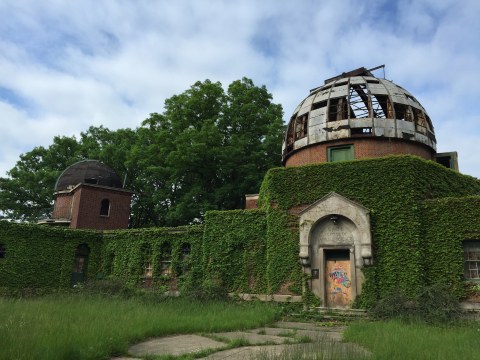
(340, 153)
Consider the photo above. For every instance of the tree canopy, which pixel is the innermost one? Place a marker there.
(205, 151)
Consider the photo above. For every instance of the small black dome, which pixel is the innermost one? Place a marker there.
(87, 172)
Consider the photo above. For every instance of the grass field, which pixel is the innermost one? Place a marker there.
(391, 340)
(80, 327)
(74, 327)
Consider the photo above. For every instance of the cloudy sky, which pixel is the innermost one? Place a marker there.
(66, 65)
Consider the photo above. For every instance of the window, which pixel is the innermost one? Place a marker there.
(186, 249)
(165, 258)
(359, 105)
(105, 207)
(3, 251)
(340, 153)
(147, 267)
(301, 127)
(471, 252)
(338, 109)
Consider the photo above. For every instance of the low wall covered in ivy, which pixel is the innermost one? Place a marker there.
(420, 213)
(42, 257)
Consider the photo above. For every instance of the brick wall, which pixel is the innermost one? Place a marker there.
(363, 148)
(62, 206)
(86, 208)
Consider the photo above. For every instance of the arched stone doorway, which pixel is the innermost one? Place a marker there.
(335, 244)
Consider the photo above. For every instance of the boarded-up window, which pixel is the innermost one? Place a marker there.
(340, 153)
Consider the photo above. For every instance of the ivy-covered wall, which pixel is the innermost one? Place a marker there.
(420, 213)
(43, 257)
(234, 250)
(126, 252)
(392, 188)
(448, 223)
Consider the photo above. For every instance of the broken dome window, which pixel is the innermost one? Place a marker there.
(359, 104)
(338, 109)
(403, 112)
(301, 126)
(381, 107)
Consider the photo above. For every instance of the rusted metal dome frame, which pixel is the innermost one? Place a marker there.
(357, 104)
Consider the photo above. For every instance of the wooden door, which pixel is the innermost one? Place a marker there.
(338, 284)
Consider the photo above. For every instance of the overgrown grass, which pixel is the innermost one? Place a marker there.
(92, 327)
(395, 339)
(321, 348)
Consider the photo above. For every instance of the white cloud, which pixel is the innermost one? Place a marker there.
(69, 65)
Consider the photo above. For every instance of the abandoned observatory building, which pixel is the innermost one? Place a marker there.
(363, 206)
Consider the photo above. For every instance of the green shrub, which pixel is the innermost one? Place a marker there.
(436, 304)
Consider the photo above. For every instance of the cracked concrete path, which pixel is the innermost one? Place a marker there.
(267, 342)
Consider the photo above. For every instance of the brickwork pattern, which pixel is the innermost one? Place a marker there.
(86, 208)
(363, 148)
(62, 206)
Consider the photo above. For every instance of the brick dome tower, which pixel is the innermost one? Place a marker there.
(356, 115)
(90, 195)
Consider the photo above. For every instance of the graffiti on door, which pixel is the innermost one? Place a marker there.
(339, 291)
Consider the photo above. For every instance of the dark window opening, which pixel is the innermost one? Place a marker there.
(359, 104)
(91, 181)
(319, 105)
(403, 112)
(471, 252)
(448, 159)
(105, 207)
(445, 161)
(80, 264)
(373, 81)
(338, 109)
(381, 107)
(3, 251)
(301, 127)
(186, 250)
(361, 131)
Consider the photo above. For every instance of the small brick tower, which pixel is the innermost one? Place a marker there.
(90, 195)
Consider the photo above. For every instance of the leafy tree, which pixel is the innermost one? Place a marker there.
(27, 193)
(205, 151)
